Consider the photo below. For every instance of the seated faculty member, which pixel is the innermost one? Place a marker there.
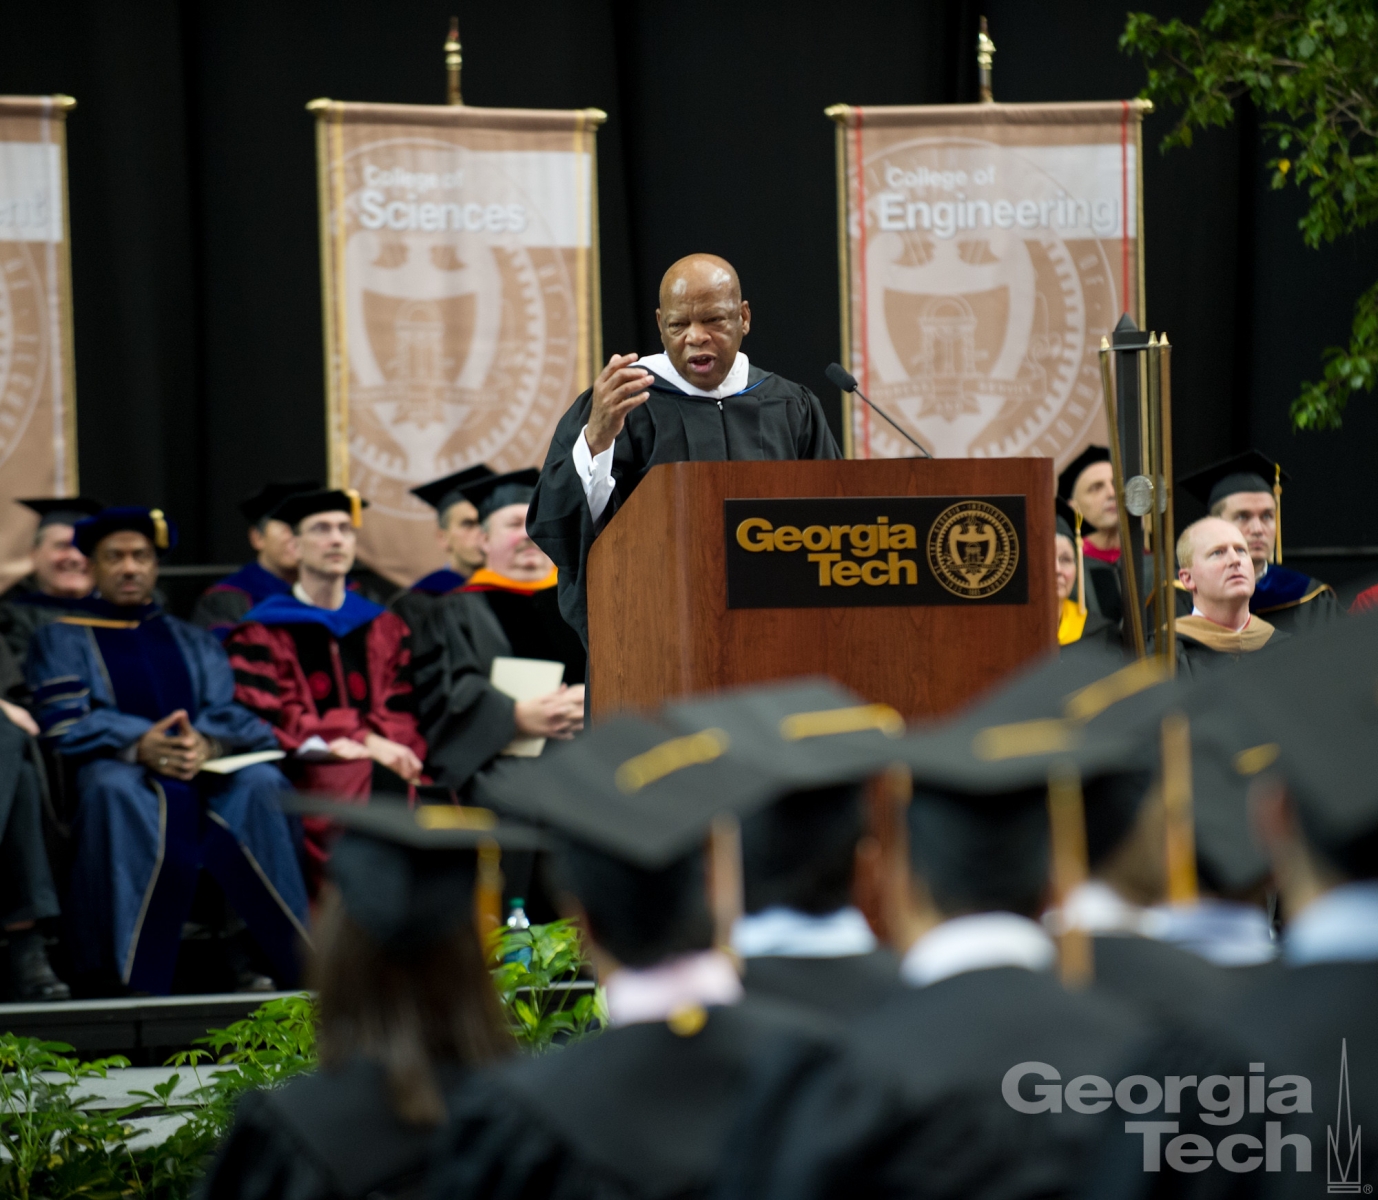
(699, 401)
(507, 609)
(1075, 620)
(329, 670)
(1246, 491)
(139, 701)
(274, 569)
(459, 534)
(1087, 485)
(60, 572)
(1214, 567)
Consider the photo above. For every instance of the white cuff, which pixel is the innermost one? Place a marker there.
(595, 473)
(314, 748)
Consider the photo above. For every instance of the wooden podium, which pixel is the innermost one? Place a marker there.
(660, 624)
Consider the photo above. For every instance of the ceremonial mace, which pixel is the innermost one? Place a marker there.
(1137, 386)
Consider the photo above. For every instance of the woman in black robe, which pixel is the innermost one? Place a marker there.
(407, 1008)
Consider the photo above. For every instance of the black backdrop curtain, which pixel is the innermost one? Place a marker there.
(194, 239)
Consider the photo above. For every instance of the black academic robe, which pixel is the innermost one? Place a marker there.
(638, 1111)
(329, 1135)
(26, 880)
(1195, 659)
(1168, 985)
(1299, 1021)
(841, 988)
(24, 609)
(465, 720)
(771, 418)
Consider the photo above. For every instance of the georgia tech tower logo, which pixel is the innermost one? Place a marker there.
(973, 550)
(1344, 1167)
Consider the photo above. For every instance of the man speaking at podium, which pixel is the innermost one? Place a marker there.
(699, 401)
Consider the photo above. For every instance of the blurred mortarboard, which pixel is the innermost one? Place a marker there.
(1053, 713)
(63, 510)
(407, 876)
(810, 732)
(160, 529)
(1066, 518)
(1067, 481)
(441, 494)
(296, 508)
(498, 491)
(254, 508)
(1247, 472)
(1312, 704)
(636, 790)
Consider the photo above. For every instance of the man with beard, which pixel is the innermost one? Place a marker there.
(699, 401)
(508, 609)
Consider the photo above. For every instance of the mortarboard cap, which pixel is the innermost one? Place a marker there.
(63, 510)
(810, 732)
(1247, 472)
(1067, 481)
(635, 790)
(254, 508)
(296, 508)
(407, 876)
(441, 494)
(498, 491)
(1066, 518)
(151, 522)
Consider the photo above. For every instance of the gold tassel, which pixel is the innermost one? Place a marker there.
(356, 507)
(1067, 828)
(1081, 570)
(1277, 503)
(1177, 807)
(488, 892)
(159, 527)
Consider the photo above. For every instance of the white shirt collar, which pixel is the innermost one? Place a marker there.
(734, 383)
(640, 996)
(1342, 926)
(1228, 933)
(299, 593)
(1097, 908)
(786, 932)
(1196, 612)
(977, 943)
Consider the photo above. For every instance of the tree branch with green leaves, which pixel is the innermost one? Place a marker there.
(1310, 68)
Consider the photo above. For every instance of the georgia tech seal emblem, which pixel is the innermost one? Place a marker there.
(973, 550)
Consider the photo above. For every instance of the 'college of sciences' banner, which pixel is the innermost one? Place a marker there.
(985, 251)
(459, 251)
(37, 381)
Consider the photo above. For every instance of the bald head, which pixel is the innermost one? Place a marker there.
(702, 318)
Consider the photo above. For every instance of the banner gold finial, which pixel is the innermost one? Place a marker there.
(454, 60)
(985, 55)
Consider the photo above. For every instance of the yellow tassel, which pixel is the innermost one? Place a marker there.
(488, 892)
(356, 507)
(159, 527)
(1277, 502)
(1081, 570)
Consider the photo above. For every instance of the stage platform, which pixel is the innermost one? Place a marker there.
(145, 1030)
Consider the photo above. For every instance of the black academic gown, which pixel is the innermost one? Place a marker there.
(465, 720)
(329, 1135)
(1168, 985)
(771, 418)
(841, 988)
(1195, 659)
(26, 880)
(24, 609)
(638, 1111)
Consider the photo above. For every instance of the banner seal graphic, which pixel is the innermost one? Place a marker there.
(460, 294)
(38, 423)
(983, 250)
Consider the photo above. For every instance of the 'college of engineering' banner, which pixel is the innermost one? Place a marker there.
(985, 250)
(460, 271)
(38, 449)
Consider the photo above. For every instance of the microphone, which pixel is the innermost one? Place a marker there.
(846, 382)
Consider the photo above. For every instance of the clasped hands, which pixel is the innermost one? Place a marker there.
(172, 747)
(393, 755)
(558, 714)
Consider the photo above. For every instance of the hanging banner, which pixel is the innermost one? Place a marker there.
(459, 251)
(984, 251)
(38, 445)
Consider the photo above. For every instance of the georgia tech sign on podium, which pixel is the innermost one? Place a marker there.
(875, 550)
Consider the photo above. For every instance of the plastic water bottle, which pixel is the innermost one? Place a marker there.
(518, 920)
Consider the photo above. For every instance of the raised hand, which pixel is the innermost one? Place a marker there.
(619, 388)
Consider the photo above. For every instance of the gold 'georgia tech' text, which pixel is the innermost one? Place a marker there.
(825, 546)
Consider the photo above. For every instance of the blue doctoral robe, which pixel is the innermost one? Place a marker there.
(100, 680)
(440, 582)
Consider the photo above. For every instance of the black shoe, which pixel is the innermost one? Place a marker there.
(31, 977)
